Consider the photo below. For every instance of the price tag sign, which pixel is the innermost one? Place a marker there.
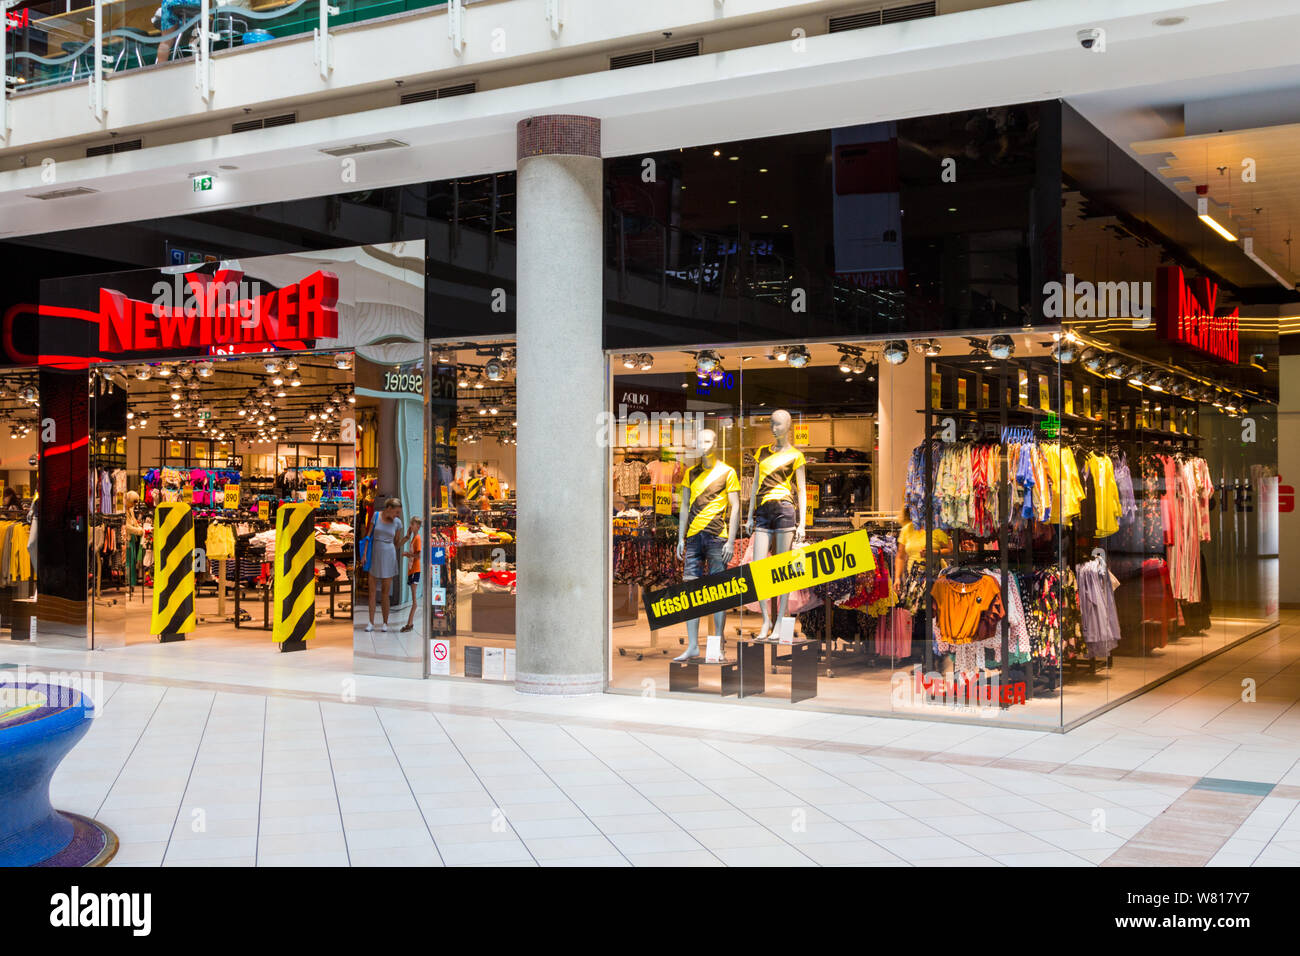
(647, 498)
(936, 390)
(814, 495)
(800, 435)
(313, 495)
(632, 436)
(663, 499)
(961, 392)
(187, 495)
(264, 510)
(1069, 396)
(1044, 394)
(443, 490)
(230, 498)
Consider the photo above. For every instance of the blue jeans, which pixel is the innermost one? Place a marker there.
(704, 553)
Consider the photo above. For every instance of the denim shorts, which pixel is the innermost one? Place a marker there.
(704, 554)
(775, 516)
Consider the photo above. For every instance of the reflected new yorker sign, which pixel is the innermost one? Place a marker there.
(220, 312)
(1185, 312)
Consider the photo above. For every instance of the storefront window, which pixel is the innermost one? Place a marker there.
(916, 477)
(470, 592)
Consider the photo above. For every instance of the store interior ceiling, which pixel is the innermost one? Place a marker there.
(266, 398)
(19, 402)
(1197, 133)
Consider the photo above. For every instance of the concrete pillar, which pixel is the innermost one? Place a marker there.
(562, 619)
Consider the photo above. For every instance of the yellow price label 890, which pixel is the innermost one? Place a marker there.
(313, 495)
(230, 497)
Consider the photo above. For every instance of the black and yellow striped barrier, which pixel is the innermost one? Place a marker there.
(295, 577)
(173, 586)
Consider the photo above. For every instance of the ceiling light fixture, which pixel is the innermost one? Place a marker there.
(1001, 347)
(1203, 214)
(895, 352)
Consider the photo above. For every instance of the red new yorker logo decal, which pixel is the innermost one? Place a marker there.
(1185, 312)
(220, 313)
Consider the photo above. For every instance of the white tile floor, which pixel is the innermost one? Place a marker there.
(260, 760)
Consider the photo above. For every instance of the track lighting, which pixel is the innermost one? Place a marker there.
(798, 356)
(1064, 350)
(629, 361)
(859, 365)
(462, 380)
(271, 365)
(780, 353)
(204, 369)
(1001, 347)
(706, 361)
(343, 361)
(930, 348)
(846, 363)
(478, 380)
(186, 372)
(295, 380)
(494, 369)
(144, 373)
(895, 352)
(646, 361)
(164, 371)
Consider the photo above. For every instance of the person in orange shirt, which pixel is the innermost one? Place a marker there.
(413, 570)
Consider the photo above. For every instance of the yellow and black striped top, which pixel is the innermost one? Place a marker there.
(776, 473)
(707, 490)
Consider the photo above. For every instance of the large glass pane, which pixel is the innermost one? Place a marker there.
(471, 569)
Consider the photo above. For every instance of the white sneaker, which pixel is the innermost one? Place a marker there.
(384, 628)
(369, 628)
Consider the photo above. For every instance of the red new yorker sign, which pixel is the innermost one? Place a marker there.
(221, 313)
(1185, 312)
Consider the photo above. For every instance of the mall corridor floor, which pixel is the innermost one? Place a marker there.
(328, 769)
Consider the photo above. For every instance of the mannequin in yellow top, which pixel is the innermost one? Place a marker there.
(779, 494)
(706, 530)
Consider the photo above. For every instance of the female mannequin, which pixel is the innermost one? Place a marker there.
(134, 543)
(778, 495)
(706, 530)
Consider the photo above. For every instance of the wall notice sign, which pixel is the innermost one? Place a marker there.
(799, 435)
(494, 663)
(647, 496)
(663, 499)
(313, 495)
(438, 596)
(440, 657)
(713, 648)
(510, 663)
(435, 577)
(1044, 394)
(264, 510)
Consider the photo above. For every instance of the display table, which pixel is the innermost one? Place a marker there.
(39, 724)
(685, 675)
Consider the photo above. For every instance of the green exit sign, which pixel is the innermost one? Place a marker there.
(202, 184)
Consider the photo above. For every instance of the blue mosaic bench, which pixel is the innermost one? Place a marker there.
(39, 724)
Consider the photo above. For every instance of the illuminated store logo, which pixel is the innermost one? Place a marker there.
(213, 317)
(1185, 312)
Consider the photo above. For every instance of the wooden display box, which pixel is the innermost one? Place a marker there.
(492, 613)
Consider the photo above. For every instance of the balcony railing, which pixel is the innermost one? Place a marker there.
(53, 42)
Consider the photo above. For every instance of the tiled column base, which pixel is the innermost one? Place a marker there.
(560, 685)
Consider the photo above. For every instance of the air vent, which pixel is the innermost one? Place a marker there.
(423, 96)
(855, 21)
(63, 193)
(677, 52)
(118, 146)
(365, 147)
(266, 122)
(913, 11)
(875, 18)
